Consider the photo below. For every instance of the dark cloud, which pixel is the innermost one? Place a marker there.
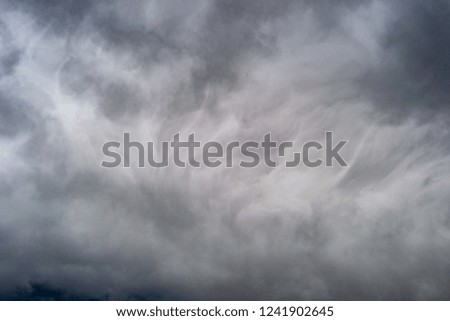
(59, 16)
(413, 75)
(9, 54)
(16, 116)
(77, 74)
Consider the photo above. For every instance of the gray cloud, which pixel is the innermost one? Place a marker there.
(413, 74)
(74, 75)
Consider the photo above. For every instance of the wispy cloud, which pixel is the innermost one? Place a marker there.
(75, 74)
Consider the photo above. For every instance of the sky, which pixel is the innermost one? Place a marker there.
(76, 74)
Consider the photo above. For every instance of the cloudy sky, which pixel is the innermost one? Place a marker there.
(76, 74)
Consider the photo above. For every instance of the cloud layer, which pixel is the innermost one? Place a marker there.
(75, 74)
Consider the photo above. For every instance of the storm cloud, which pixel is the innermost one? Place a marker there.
(76, 74)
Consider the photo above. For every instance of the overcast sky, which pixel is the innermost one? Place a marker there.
(76, 74)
